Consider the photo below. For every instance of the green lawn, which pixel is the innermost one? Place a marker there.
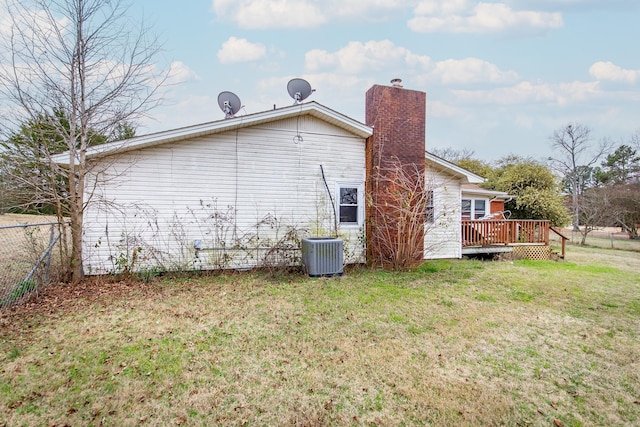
(452, 343)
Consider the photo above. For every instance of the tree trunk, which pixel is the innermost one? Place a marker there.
(77, 271)
(76, 192)
(576, 209)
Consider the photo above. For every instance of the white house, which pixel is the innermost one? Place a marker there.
(443, 235)
(240, 192)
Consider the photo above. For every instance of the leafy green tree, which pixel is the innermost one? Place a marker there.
(465, 159)
(582, 179)
(32, 183)
(534, 187)
(619, 179)
(621, 166)
(479, 167)
(31, 186)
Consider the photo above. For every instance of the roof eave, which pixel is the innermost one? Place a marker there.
(470, 177)
(204, 129)
(490, 193)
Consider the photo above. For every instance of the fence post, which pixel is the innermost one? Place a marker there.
(47, 263)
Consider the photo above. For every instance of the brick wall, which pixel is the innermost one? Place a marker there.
(398, 117)
(496, 206)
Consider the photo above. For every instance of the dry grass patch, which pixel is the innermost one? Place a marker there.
(606, 238)
(452, 343)
(21, 249)
(16, 219)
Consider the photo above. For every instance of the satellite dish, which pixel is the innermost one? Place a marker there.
(299, 90)
(229, 103)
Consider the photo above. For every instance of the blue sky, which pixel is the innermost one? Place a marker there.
(500, 76)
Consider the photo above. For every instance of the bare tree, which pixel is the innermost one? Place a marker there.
(634, 140)
(625, 206)
(452, 154)
(576, 157)
(595, 211)
(87, 60)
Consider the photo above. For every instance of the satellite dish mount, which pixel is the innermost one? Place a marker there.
(299, 90)
(229, 103)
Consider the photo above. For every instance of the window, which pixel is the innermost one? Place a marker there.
(466, 209)
(348, 205)
(428, 208)
(474, 208)
(479, 208)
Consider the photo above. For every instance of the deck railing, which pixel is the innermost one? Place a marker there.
(487, 232)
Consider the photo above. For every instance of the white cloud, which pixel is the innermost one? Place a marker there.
(578, 5)
(440, 7)
(463, 16)
(270, 13)
(240, 50)
(524, 121)
(527, 92)
(358, 57)
(441, 109)
(179, 72)
(304, 13)
(458, 16)
(470, 70)
(35, 33)
(608, 71)
(362, 9)
(187, 110)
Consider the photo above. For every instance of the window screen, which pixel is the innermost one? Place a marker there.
(348, 205)
(480, 209)
(466, 208)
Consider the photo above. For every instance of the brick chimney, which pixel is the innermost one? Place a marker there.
(395, 156)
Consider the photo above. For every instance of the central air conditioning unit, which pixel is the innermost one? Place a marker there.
(322, 256)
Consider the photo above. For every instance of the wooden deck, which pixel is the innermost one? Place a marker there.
(501, 235)
(490, 236)
(491, 232)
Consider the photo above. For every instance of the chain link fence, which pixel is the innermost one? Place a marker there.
(30, 258)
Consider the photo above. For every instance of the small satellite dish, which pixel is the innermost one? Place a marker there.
(299, 90)
(229, 103)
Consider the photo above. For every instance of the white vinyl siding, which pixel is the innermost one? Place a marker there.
(255, 181)
(442, 235)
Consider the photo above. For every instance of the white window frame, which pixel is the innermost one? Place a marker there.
(487, 206)
(360, 208)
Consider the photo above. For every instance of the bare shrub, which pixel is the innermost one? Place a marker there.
(399, 211)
